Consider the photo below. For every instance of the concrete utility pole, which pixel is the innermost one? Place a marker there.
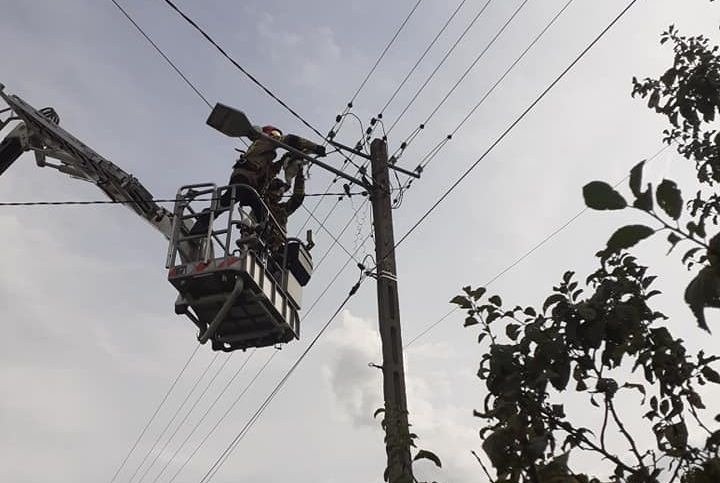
(397, 442)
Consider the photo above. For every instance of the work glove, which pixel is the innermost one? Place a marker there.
(319, 150)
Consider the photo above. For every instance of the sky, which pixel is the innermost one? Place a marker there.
(91, 343)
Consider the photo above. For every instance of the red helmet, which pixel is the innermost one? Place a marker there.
(272, 131)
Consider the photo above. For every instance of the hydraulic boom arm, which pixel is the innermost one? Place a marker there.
(39, 131)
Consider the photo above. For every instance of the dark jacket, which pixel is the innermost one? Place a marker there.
(280, 211)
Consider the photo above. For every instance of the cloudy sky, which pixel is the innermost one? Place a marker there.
(91, 343)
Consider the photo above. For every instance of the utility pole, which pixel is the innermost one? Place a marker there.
(397, 442)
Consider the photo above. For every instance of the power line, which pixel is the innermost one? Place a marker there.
(478, 58)
(159, 51)
(434, 151)
(465, 74)
(130, 202)
(182, 405)
(513, 124)
(304, 317)
(155, 413)
(185, 418)
(227, 411)
(520, 259)
(424, 54)
(442, 61)
(167, 59)
(382, 55)
(254, 418)
(241, 68)
(205, 414)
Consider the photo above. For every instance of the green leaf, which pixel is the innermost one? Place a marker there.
(636, 178)
(428, 455)
(669, 198)
(512, 331)
(673, 239)
(644, 200)
(378, 411)
(628, 236)
(477, 293)
(711, 375)
(461, 301)
(700, 293)
(601, 196)
(552, 300)
(689, 254)
(470, 321)
(495, 300)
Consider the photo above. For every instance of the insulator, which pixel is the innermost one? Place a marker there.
(422, 126)
(368, 131)
(338, 118)
(331, 134)
(349, 105)
(379, 116)
(449, 136)
(373, 121)
(403, 145)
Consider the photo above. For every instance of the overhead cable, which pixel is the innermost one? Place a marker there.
(421, 58)
(442, 61)
(430, 155)
(382, 54)
(254, 418)
(205, 415)
(241, 68)
(182, 405)
(155, 413)
(513, 125)
(520, 259)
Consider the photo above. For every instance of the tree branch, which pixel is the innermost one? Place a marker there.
(624, 431)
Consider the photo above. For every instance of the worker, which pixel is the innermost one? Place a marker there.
(280, 211)
(256, 168)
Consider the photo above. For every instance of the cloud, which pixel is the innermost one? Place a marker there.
(443, 427)
(357, 387)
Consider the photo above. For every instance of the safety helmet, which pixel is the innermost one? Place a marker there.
(272, 131)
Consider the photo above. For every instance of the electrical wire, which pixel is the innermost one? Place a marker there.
(185, 418)
(436, 150)
(205, 415)
(422, 57)
(155, 413)
(167, 59)
(442, 61)
(512, 125)
(520, 259)
(131, 202)
(256, 416)
(222, 418)
(182, 405)
(306, 313)
(241, 68)
(382, 54)
(334, 238)
(463, 76)
(160, 51)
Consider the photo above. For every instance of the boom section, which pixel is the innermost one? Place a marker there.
(39, 131)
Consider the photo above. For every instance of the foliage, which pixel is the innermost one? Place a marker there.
(602, 340)
(396, 441)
